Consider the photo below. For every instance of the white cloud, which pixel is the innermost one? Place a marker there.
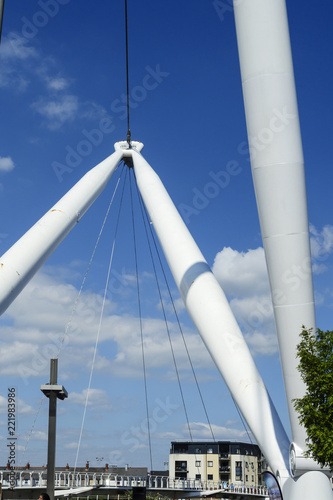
(15, 46)
(254, 311)
(321, 245)
(262, 343)
(11, 77)
(15, 59)
(241, 273)
(15, 355)
(35, 324)
(256, 320)
(57, 110)
(73, 445)
(21, 407)
(65, 108)
(92, 111)
(243, 276)
(97, 398)
(39, 435)
(202, 430)
(57, 83)
(6, 164)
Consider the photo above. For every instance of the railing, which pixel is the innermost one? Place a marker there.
(68, 479)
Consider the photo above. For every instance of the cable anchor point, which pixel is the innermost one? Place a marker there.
(129, 138)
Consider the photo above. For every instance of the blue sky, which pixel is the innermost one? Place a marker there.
(62, 78)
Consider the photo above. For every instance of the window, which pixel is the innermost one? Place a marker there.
(210, 477)
(180, 466)
(210, 463)
(198, 463)
(210, 450)
(238, 471)
(252, 479)
(246, 478)
(198, 450)
(198, 476)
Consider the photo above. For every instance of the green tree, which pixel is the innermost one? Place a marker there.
(315, 409)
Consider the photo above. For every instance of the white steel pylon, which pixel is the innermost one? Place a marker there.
(277, 163)
(203, 297)
(278, 174)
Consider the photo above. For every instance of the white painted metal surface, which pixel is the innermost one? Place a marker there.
(210, 311)
(278, 175)
(19, 264)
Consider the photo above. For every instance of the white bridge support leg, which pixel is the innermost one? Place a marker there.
(19, 264)
(278, 176)
(211, 314)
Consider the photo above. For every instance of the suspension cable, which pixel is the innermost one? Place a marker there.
(127, 78)
(72, 313)
(99, 325)
(31, 431)
(2, 6)
(166, 323)
(68, 325)
(146, 218)
(242, 419)
(143, 207)
(141, 330)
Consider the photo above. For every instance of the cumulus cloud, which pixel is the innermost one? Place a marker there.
(96, 398)
(264, 343)
(57, 110)
(92, 111)
(21, 64)
(34, 327)
(21, 407)
(6, 164)
(241, 273)
(321, 247)
(201, 430)
(16, 47)
(39, 435)
(15, 57)
(243, 276)
(57, 83)
(73, 445)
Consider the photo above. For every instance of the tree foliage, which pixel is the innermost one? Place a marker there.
(315, 409)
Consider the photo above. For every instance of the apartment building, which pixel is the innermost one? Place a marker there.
(227, 462)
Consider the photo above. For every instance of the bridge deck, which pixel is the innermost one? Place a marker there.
(28, 483)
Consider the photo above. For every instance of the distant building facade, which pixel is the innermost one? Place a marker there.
(109, 475)
(221, 461)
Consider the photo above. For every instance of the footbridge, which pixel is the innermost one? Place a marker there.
(29, 485)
